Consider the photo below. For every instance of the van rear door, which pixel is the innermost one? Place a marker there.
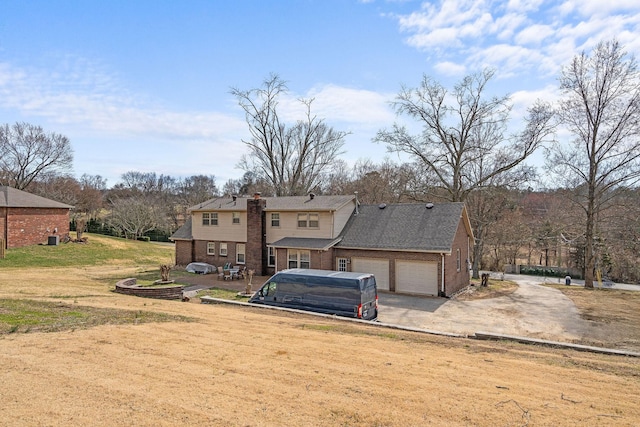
(369, 295)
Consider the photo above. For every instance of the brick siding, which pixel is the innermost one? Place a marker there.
(32, 226)
(256, 248)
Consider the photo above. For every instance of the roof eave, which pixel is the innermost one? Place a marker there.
(427, 251)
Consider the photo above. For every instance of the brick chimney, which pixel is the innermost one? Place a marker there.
(256, 256)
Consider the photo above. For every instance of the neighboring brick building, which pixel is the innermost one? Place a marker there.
(411, 248)
(27, 219)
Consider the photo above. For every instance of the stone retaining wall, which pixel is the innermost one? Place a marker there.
(129, 286)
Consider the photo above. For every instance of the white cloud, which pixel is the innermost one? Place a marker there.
(591, 8)
(523, 6)
(450, 68)
(534, 35)
(82, 95)
(531, 37)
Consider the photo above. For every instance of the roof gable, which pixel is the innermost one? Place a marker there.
(183, 233)
(14, 198)
(404, 227)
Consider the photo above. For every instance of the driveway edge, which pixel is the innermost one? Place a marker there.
(577, 347)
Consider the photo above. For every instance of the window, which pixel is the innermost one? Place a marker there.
(458, 259)
(240, 248)
(299, 259)
(302, 220)
(342, 264)
(275, 219)
(211, 248)
(210, 218)
(311, 220)
(223, 249)
(235, 217)
(314, 220)
(272, 256)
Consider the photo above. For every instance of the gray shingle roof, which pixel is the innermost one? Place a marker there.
(288, 203)
(13, 198)
(403, 227)
(184, 232)
(305, 243)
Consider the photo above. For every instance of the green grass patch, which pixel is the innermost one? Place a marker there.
(342, 328)
(100, 250)
(325, 328)
(22, 316)
(222, 294)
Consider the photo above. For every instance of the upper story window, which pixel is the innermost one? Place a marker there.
(235, 217)
(308, 220)
(275, 219)
(209, 218)
(314, 220)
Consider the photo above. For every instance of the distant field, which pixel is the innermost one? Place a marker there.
(99, 250)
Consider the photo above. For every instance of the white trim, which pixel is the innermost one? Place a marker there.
(442, 269)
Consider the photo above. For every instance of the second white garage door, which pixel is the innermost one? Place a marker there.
(379, 268)
(417, 277)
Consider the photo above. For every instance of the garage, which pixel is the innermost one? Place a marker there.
(379, 268)
(417, 277)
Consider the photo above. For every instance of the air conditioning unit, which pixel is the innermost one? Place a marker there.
(54, 240)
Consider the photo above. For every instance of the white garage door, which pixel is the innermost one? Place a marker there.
(417, 277)
(379, 268)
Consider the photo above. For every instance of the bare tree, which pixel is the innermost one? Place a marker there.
(133, 216)
(195, 189)
(27, 152)
(293, 158)
(600, 106)
(91, 196)
(464, 146)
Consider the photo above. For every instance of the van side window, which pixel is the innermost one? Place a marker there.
(270, 289)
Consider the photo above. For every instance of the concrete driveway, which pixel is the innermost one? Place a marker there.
(531, 311)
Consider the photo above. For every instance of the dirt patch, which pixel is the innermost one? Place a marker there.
(239, 366)
(615, 314)
(494, 289)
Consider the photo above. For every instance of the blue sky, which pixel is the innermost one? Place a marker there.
(144, 85)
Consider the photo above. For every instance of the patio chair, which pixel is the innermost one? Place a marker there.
(220, 273)
(226, 275)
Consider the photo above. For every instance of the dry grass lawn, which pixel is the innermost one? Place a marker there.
(615, 312)
(238, 366)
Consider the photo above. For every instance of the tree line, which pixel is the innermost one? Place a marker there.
(465, 151)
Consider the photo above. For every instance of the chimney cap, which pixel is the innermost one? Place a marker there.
(256, 195)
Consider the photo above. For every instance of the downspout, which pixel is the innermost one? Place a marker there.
(333, 225)
(442, 268)
(6, 228)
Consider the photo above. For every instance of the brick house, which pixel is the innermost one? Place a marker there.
(27, 219)
(411, 248)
